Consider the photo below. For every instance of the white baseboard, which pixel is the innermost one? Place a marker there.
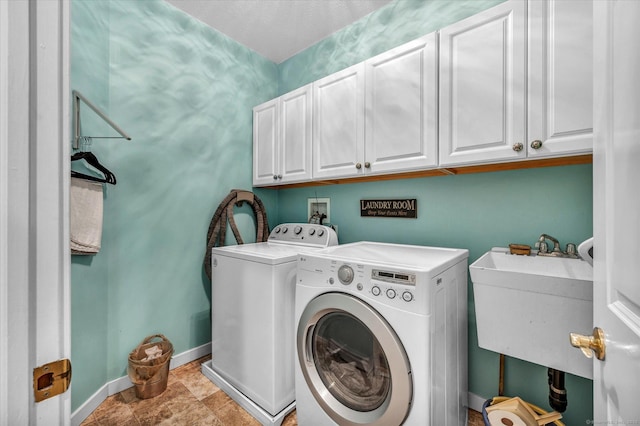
(122, 383)
(476, 402)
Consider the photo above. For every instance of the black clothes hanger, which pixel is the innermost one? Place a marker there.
(92, 160)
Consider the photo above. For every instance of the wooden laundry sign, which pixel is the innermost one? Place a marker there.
(406, 208)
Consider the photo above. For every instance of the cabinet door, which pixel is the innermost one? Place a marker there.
(560, 110)
(401, 129)
(295, 135)
(338, 128)
(265, 143)
(482, 86)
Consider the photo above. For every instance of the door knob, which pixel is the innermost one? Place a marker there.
(590, 344)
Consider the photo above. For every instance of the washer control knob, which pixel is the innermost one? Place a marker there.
(312, 231)
(277, 230)
(297, 230)
(391, 293)
(284, 229)
(375, 290)
(345, 274)
(320, 232)
(407, 296)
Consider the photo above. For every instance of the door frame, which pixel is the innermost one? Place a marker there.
(34, 225)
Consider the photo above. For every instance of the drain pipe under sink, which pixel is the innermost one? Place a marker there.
(557, 392)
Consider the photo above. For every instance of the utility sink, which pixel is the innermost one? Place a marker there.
(526, 306)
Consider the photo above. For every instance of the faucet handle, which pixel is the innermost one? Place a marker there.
(542, 246)
(571, 249)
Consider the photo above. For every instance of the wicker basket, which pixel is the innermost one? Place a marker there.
(150, 377)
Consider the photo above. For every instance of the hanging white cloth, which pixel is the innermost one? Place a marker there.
(85, 222)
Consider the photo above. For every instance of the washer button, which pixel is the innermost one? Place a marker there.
(407, 296)
(391, 293)
(375, 290)
(331, 280)
(360, 286)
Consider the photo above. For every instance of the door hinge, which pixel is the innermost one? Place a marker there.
(51, 379)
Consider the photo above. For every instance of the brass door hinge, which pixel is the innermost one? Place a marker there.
(51, 379)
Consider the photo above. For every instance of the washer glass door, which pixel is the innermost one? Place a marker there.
(350, 361)
(353, 362)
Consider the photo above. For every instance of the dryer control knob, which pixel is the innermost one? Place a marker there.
(391, 293)
(375, 290)
(345, 274)
(407, 296)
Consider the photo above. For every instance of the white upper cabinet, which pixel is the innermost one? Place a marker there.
(282, 139)
(560, 110)
(265, 143)
(338, 129)
(401, 108)
(486, 93)
(379, 116)
(483, 87)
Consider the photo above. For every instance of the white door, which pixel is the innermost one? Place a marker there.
(338, 127)
(34, 179)
(560, 110)
(617, 210)
(483, 86)
(265, 143)
(295, 135)
(401, 128)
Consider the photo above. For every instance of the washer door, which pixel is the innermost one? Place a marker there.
(353, 362)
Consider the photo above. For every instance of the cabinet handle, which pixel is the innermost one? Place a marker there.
(358, 166)
(275, 177)
(367, 165)
(517, 147)
(536, 144)
(279, 176)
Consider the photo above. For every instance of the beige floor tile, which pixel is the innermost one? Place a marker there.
(190, 399)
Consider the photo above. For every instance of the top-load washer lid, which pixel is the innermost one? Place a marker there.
(433, 260)
(284, 244)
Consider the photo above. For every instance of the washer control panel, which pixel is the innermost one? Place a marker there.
(304, 233)
(394, 287)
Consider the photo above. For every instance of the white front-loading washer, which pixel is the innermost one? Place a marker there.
(381, 336)
(252, 318)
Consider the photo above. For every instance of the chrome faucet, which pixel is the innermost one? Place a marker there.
(543, 248)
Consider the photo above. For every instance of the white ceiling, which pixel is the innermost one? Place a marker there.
(278, 29)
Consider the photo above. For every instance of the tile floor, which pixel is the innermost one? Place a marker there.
(190, 399)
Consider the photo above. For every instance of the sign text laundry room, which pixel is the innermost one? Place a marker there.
(406, 208)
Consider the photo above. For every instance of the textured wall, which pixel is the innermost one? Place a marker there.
(184, 93)
(476, 212)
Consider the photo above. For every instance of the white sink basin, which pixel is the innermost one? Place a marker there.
(526, 306)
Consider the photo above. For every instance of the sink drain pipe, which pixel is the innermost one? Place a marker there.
(557, 391)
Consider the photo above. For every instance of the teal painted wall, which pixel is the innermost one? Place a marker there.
(476, 212)
(184, 92)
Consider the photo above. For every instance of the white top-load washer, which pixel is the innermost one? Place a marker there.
(252, 318)
(382, 336)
